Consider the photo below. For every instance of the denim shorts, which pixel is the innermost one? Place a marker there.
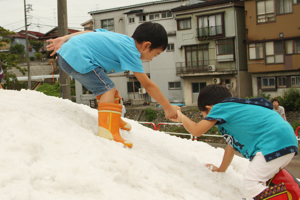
(95, 81)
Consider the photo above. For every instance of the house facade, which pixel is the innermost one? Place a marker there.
(273, 45)
(161, 70)
(210, 47)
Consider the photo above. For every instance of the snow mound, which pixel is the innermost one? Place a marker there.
(49, 150)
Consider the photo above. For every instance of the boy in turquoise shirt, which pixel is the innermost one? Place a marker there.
(251, 127)
(88, 56)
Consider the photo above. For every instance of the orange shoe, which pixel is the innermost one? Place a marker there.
(109, 116)
(123, 125)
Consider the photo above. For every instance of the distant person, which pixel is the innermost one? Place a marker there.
(251, 127)
(89, 56)
(279, 109)
(1, 75)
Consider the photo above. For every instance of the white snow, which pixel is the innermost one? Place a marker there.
(48, 150)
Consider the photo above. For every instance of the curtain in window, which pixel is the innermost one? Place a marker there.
(212, 25)
(289, 46)
(270, 52)
(185, 24)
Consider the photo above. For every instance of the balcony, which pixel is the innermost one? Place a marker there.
(212, 31)
(204, 68)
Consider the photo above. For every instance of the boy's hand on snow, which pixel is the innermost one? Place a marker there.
(212, 167)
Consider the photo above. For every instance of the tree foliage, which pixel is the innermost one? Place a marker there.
(18, 49)
(36, 45)
(8, 59)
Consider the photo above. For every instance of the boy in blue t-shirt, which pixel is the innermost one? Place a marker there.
(251, 127)
(89, 56)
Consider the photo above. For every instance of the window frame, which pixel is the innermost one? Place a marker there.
(156, 16)
(274, 53)
(222, 34)
(166, 15)
(131, 20)
(184, 19)
(268, 87)
(295, 80)
(198, 49)
(174, 86)
(265, 12)
(112, 19)
(218, 44)
(278, 9)
(172, 45)
(256, 53)
(281, 85)
(296, 1)
(143, 17)
(137, 85)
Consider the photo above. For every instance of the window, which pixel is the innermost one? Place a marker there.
(196, 87)
(170, 47)
(142, 18)
(295, 81)
(274, 52)
(184, 24)
(196, 56)
(265, 11)
(256, 51)
(283, 6)
(174, 85)
(131, 20)
(153, 16)
(292, 46)
(136, 86)
(281, 81)
(296, 1)
(210, 25)
(224, 46)
(166, 15)
(297, 46)
(268, 82)
(108, 24)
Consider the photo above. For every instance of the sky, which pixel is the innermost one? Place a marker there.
(49, 150)
(43, 15)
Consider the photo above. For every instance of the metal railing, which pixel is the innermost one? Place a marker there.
(210, 31)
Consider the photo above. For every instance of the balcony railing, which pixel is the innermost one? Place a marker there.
(210, 31)
(203, 66)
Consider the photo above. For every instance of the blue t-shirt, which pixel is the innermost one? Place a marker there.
(250, 126)
(111, 51)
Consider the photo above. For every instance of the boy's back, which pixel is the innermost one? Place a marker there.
(252, 126)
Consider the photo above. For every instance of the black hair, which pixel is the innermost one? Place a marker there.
(152, 32)
(211, 95)
(275, 100)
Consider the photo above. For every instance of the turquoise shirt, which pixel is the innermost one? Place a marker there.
(111, 51)
(250, 126)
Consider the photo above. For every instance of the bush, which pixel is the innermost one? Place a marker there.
(31, 58)
(291, 98)
(150, 114)
(50, 90)
(38, 55)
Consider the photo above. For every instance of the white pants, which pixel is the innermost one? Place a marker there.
(260, 171)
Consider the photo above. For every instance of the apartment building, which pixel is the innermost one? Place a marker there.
(273, 45)
(210, 44)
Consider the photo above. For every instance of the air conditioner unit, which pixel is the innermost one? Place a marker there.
(142, 91)
(216, 80)
(211, 68)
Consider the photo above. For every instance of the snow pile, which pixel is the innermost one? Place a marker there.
(49, 151)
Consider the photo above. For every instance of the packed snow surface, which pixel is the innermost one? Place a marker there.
(49, 150)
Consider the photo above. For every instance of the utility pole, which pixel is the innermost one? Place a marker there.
(27, 47)
(62, 17)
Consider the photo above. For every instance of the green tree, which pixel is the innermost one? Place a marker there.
(36, 44)
(18, 49)
(9, 60)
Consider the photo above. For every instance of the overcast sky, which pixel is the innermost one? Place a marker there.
(43, 16)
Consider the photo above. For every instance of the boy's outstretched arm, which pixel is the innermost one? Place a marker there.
(227, 158)
(196, 129)
(57, 42)
(155, 93)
